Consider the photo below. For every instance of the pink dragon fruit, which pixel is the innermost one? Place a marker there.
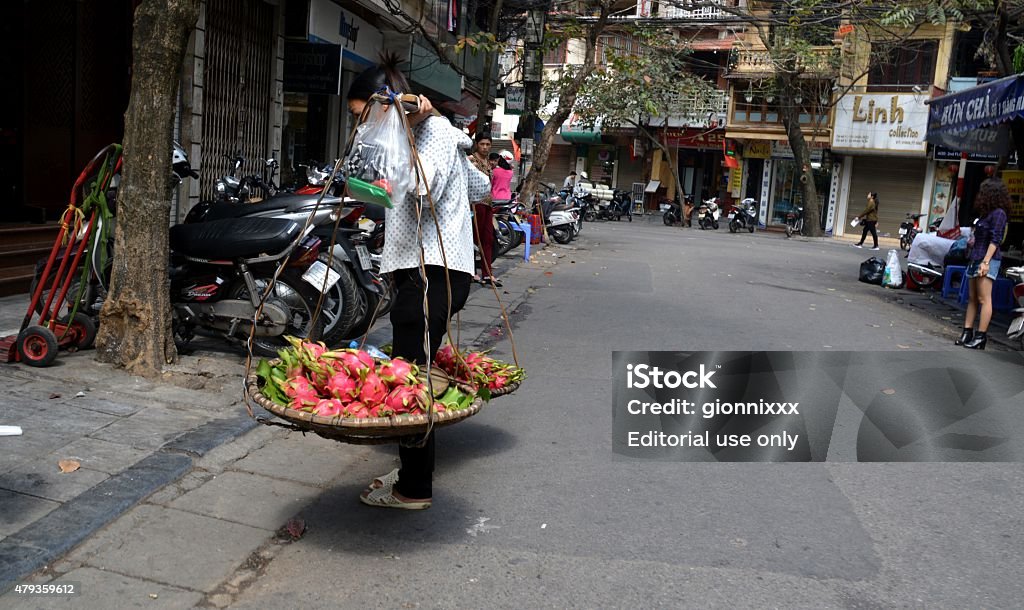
(401, 399)
(357, 409)
(397, 372)
(373, 391)
(342, 385)
(329, 407)
(352, 363)
(498, 382)
(302, 393)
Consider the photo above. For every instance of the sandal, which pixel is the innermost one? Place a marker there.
(384, 497)
(490, 281)
(385, 480)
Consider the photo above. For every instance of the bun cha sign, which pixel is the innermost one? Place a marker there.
(881, 122)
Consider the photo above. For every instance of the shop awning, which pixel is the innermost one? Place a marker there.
(976, 119)
(575, 133)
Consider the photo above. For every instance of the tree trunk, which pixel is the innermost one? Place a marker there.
(802, 159)
(489, 62)
(1004, 64)
(135, 330)
(672, 166)
(566, 100)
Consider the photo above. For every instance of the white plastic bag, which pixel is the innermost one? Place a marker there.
(381, 154)
(855, 222)
(893, 277)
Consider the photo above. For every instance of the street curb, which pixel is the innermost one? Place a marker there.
(47, 539)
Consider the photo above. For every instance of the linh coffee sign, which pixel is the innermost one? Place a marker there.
(881, 122)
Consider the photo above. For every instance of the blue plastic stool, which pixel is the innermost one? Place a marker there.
(948, 289)
(1002, 294)
(524, 228)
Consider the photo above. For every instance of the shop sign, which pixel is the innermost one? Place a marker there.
(736, 181)
(941, 153)
(1014, 180)
(883, 122)
(312, 68)
(782, 150)
(360, 41)
(757, 149)
(695, 138)
(515, 100)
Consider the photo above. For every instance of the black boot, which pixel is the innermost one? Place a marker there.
(978, 341)
(965, 336)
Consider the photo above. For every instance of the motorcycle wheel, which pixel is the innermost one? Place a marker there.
(297, 297)
(714, 224)
(561, 234)
(789, 229)
(734, 226)
(751, 227)
(923, 280)
(341, 303)
(589, 216)
(517, 237)
(667, 219)
(905, 242)
(73, 289)
(502, 238)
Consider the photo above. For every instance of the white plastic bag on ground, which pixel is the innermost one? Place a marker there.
(893, 277)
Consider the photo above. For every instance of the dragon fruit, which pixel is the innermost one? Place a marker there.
(498, 382)
(397, 372)
(357, 409)
(329, 407)
(302, 393)
(373, 391)
(351, 362)
(406, 399)
(342, 385)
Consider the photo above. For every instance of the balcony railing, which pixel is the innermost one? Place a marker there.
(820, 62)
(704, 12)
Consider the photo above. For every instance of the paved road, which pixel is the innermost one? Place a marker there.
(532, 510)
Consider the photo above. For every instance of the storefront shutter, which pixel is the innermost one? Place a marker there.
(899, 184)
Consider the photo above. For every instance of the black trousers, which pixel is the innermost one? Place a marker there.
(407, 321)
(869, 225)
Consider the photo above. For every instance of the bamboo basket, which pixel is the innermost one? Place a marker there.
(361, 431)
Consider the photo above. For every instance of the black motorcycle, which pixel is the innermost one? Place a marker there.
(795, 221)
(743, 216)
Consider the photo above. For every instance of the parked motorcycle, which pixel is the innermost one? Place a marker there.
(909, 229)
(675, 213)
(708, 214)
(1016, 329)
(233, 188)
(559, 220)
(622, 204)
(795, 221)
(743, 216)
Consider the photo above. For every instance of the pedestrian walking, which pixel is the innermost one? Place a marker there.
(441, 149)
(869, 218)
(991, 205)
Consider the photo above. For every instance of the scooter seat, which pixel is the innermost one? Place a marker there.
(285, 204)
(233, 238)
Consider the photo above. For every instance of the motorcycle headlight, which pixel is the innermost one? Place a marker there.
(220, 187)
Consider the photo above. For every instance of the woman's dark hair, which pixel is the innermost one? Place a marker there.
(992, 194)
(874, 197)
(502, 163)
(375, 78)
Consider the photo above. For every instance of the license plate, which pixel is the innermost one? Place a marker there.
(903, 231)
(364, 258)
(731, 216)
(317, 272)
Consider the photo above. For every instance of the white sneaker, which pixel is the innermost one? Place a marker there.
(857, 245)
(875, 248)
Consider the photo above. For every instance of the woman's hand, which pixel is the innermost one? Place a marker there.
(983, 269)
(426, 110)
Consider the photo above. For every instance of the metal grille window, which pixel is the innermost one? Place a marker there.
(238, 87)
(900, 69)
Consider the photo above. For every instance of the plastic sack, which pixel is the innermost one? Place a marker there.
(855, 222)
(893, 276)
(381, 158)
(871, 271)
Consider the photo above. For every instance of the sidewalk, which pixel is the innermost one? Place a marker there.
(133, 437)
